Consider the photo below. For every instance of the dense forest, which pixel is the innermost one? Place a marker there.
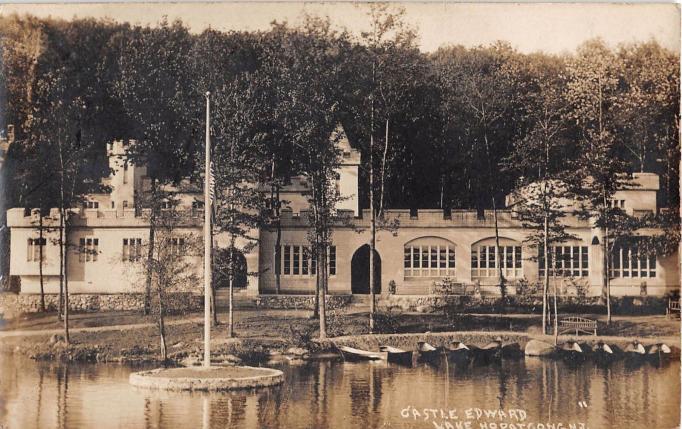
(446, 125)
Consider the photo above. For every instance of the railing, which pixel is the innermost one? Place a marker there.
(578, 324)
(673, 307)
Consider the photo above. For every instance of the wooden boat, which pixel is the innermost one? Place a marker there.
(659, 351)
(635, 349)
(396, 355)
(427, 351)
(457, 350)
(492, 350)
(539, 348)
(512, 350)
(605, 353)
(353, 355)
(572, 351)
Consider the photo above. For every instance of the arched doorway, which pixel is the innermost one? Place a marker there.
(359, 271)
(221, 269)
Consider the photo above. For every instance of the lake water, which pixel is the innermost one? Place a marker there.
(332, 394)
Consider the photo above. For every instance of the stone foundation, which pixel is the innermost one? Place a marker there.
(301, 302)
(518, 303)
(12, 304)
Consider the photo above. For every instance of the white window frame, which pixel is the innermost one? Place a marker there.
(511, 259)
(630, 263)
(299, 261)
(419, 261)
(565, 266)
(33, 251)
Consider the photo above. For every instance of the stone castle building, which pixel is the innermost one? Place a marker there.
(109, 230)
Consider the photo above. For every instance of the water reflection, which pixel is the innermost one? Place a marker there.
(338, 395)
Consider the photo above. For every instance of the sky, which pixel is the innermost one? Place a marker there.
(549, 27)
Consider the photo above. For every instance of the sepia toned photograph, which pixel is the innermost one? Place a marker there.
(429, 215)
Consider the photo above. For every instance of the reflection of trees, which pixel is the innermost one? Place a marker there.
(359, 396)
(62, 395)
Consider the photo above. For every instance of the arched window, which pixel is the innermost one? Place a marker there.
(429, 257)
(485, 259)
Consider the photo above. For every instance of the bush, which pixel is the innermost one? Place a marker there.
(387, 321)
(524, 287)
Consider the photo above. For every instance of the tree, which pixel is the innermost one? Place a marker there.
(310, 79)
(154, 91)
(386, 69)
(538, 158)
(173, 260)
(240, 202)
(482, 85)
(599, 169)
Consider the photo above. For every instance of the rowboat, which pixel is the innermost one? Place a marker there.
(396, 355)
(512, 350)
(573, 351)
(659, 352)
(353, 355)
(635, 349)
(457, 350)
(427, 351)
(605, 353)
(492, 350)
(539, 348)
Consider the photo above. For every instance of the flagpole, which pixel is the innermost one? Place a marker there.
(207, 241)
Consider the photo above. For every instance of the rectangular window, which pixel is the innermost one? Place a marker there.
(485, 260)
(632, 262)
(564, 261)
(492, 257)
(132, 249)
(287, 260)
(302, 261)
(305, 261)
(313, 263)
(407, 261)
(332, 260)
(33, 249)
(88, 249)
(177, 246)
(297, 257)
(90, 204)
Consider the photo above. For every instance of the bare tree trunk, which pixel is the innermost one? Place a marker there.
(607, 282)
(498, 250)
(316, 310)
(545, 288)
(150, 251)
(556, 315)
(372, 216)
(278, 244)
(40, 266)
(230, 314)
(161, 322)
(66, 277)
(323, 297)
(60, 309)
(383, 173)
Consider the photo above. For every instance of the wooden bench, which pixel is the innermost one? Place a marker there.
(578, 324)
(673, 307)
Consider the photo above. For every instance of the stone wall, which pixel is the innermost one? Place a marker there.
(519, 303)
(12, 304)
(301, 302)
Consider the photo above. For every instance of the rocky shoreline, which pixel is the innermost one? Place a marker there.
(252, 350)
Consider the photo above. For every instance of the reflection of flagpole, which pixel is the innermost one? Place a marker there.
(207, 241)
